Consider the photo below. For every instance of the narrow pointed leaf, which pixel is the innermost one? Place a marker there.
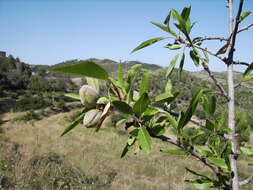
(123, 107)
(202, 183)
(174, 46)
(181, 65)
(147, 43)
(73, 95)
(196, 173)
(144, 82)
(164, 28)
(144, 139)
(163, 97)
(172, 65)
(120, 75)
(192, 108)
(142, 104)
(244, 15)
(73, 124)
(85, 68)
(125, 150)
(186, 12)
(248, 70)
(218, 162)
(195, 57)
(168, 87)
(167, 19)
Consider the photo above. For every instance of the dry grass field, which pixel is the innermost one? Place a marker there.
(34, 156)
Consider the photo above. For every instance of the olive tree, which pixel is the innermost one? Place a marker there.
(144, 121)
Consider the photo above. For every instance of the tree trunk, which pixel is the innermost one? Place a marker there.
(231, 104)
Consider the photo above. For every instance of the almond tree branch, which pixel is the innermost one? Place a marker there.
(245, 28)
(231, 103)
(240, 63)
(217, 84)
(213, 38)
(246, 181)
(194, 153)
(200, 123)
(201, 48)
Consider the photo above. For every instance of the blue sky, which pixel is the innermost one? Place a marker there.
(51, 31)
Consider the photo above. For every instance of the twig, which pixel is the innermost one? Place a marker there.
(240, 63)
(213, 38)
(194, 153)
(245, 182)
(234, 34)
(175, 114)
(211, 75)
(201, 48)
(244, 28)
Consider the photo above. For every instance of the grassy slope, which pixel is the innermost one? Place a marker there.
(98, 154)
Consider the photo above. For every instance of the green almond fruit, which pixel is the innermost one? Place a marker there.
(92, 118)
(88, 96)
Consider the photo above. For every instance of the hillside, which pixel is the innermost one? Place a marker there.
(30, 135)
(85, 160)
(40, 81)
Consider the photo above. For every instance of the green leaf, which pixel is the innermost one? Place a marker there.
(195, 57)
(73, 95)
(120, 122)
(174, 46)
(131, 140)
(93, 83)
(150, 112)
(142, 104)
(123, 107)
(144, 82)
(183, 26)
(167, 19)
(144, 139)
(209, 125)
(202, 183)
(86, 68)
(74, 124)
(247, 151)
(125, 150)
(147, 43)
(171, 119)
(244, 15)
(212, 105)
(209, 105)
(196, 173)
(248, 70)
(181, 65)
(220, 162)
(186, 13)
(168, 87)
(174, 152)
(163, 96)
(103, 100)
(158, 130)
(172, 65)
(164, 28)
(121, 75)
(192, 108)
(202, 151)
